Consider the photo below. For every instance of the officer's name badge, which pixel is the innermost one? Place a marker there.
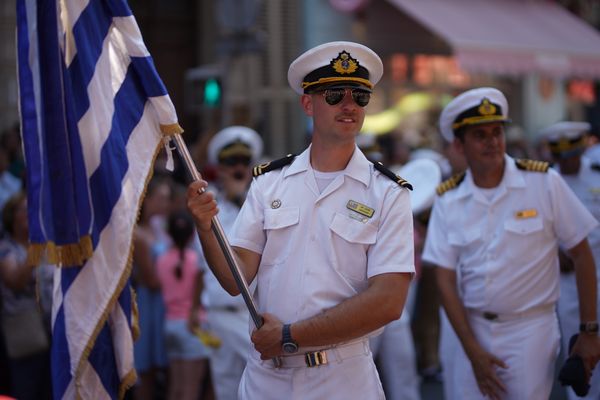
(526, 213)
(360, 208)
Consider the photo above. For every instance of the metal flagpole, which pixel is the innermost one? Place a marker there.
(223, 243)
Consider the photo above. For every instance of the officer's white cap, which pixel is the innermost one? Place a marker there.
(425, 175)
(235, 140)
(565, 136)
(565, 129)
(473, 107)
(335, 64)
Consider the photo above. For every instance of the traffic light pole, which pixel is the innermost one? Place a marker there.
(223, 243)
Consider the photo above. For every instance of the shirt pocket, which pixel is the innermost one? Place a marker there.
(524, 226)
(351, 240)
(464, 238)
(279, 227)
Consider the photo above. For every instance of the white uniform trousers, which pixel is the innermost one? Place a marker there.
(394, 351)
(528, 345)
(568, 315)
(342, 378)
(227, 363)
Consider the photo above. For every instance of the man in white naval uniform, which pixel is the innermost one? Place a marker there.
(567, 142)
(232, 150)
(328, 238)
(500, 224)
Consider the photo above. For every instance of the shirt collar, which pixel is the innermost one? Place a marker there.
(358, 167)
(510, 179)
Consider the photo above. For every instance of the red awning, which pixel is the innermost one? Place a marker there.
(511, 37)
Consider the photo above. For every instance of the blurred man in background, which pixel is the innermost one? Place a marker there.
(566, 141)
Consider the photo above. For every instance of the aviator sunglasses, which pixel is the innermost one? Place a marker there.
(336, 95)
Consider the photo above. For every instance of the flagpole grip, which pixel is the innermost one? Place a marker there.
(223, 243)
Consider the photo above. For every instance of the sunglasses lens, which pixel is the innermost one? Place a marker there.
(361, 97)
(334, 96)
(235, 160)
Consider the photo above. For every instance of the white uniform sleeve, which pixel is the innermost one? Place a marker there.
(437, 249)
(394, 249)
(248, 230)
(572, 220)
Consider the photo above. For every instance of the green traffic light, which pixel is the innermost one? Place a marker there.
(212, 93)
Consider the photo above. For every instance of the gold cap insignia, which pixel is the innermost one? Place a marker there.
(486, 108)
(344, 63)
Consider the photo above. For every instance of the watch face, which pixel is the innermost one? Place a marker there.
(290, 347)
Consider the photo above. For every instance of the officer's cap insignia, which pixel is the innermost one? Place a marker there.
(400, 181)
(273, 165)
(344, 63)
(360, 208)
(532, 165)
(450, 183)
(486, 107)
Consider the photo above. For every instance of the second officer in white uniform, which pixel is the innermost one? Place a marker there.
(500, 225)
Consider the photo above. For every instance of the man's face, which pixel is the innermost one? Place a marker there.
(483, 146)
(339, 122)
(234, 174)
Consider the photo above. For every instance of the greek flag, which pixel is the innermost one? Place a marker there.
(94, 114)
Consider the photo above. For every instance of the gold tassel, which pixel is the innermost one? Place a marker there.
(171, 129)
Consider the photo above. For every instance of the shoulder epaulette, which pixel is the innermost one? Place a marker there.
(273, 165)
(532, 165)
(450, 183)
(595, 166)
(402, 182)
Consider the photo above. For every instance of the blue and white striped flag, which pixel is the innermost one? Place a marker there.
(94, 113)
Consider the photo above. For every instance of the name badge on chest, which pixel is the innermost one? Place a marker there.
(360, 208)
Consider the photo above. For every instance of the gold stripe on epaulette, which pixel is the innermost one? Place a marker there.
(450, 183)
(532, 165)
(259, 169)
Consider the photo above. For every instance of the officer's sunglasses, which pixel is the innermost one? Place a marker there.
(235, 160)
(336, 95)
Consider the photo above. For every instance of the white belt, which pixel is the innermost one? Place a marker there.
(497, 317)
(326, 356)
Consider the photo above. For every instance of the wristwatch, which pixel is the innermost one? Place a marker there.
(589, 327)
(288, 344)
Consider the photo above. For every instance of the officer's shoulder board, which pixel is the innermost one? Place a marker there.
(450, 183)
(272, 165)
(532, 165)
(402, 182)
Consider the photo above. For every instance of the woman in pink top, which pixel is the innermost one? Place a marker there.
(181, 280)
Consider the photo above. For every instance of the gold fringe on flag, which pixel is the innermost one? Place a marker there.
(171, 129)
(68, 255)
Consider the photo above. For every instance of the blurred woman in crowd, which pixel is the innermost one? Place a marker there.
(25, 323)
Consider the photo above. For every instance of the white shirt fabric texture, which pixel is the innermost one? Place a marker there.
(315, 253)
(508, 264)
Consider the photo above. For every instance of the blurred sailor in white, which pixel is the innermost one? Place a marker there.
(566, 141)
(233, 151)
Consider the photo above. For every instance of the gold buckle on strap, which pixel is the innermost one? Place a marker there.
(315, 358)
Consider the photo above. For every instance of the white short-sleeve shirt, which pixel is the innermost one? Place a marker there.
(315, 251)
(505, 249)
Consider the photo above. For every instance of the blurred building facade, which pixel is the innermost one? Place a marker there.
(248, 44)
